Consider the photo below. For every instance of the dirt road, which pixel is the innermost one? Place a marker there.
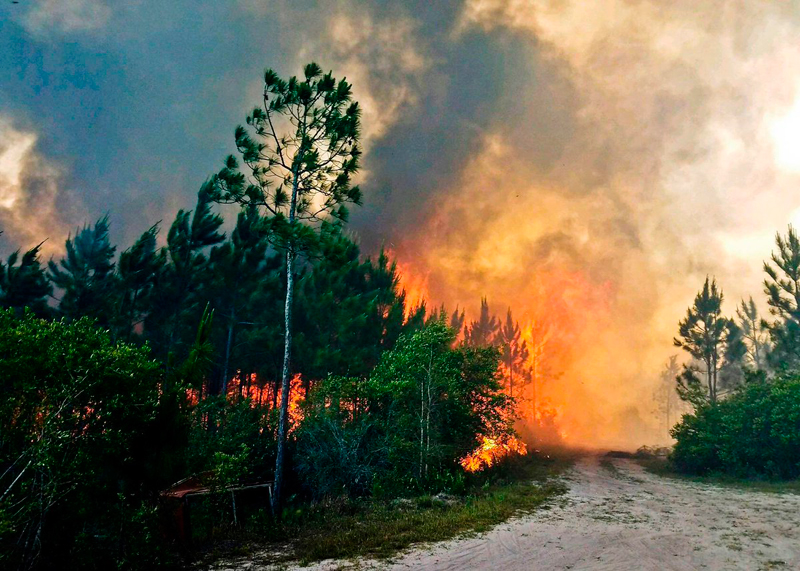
(617, 516)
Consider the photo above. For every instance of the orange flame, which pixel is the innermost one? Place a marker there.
(492, 451)
(261, 393)
(413, 284)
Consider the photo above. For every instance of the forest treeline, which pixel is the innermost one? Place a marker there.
(742, 379)
(125, 371)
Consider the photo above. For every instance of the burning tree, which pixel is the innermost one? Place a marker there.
(482, 332)
(514, 353)
(536, 337)
(439, 401)
(300, 150)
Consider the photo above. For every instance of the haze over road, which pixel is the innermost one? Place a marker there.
(617, 516)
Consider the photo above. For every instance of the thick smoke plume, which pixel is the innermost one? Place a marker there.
(681, 162)
(32, 204)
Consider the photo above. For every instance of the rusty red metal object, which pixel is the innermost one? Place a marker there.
(180, 494)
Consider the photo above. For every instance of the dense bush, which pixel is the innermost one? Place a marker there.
(81, 421)
(427, 404)
(753, 433)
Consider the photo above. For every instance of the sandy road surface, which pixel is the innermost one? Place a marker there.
(617, 516)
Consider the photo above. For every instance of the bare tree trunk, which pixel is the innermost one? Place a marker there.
(421, 426)
(225, 366)
(428, 423)
(711, 375)
(533, 385)
(669, 402)
(287, 345)
(285, 382)
(714, 398)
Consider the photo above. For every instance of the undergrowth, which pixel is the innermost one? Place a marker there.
(342, 528)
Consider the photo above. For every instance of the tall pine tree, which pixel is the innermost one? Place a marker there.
(299, 152)
(137, 275)
(24, 284)
(483, 331)
(85, 275)
(782, 287)
(711, 339)
(185, 268)
(513, 352)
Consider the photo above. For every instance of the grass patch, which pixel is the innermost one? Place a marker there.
(346, 529)
(662, 467)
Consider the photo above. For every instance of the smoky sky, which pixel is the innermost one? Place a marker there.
(136, 104)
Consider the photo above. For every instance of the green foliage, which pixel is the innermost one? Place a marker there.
(300, 149)
(176, 300)
(24, 284)
(230, 434)
(77, 414)
(755, 334)
(714, 342)
(137, 276)
(783, 297)
(338, 458)
(783, 276)
(349, 310)
(426, 405)
(86, 274)
(754, 432)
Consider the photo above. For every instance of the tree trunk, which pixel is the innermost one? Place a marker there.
(428, 425)
(669, 402)
(287, 345)
(226, 364)
(711, 374)
(285, 383)
(421, 426)
(533, 387)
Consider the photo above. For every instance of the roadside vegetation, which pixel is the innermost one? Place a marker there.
(378, 528)
(662, 467)
(742, 382)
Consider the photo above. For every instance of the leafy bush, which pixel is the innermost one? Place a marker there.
(402, 431)
(232, 433)
(80, 420)
(753, 433)
(335, 458)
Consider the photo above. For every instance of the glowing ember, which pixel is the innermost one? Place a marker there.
(491, 452)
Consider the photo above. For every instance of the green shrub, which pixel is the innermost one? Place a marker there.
(402, 431)
(753, 433)
(336, 458)
(81, 422)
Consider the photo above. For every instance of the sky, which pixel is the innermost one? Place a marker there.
(583, 162)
